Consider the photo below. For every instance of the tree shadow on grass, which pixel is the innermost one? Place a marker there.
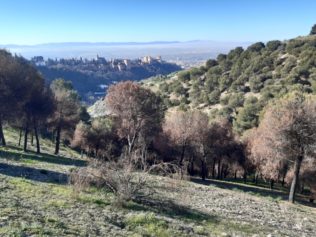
(17, 155)
(34, 174)
(170, 209)
(254, 190)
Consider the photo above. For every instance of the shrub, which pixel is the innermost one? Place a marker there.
(184, 76)
(118, 177)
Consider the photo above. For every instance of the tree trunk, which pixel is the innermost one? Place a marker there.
(203, 169)
(219, 169)
(182, 155)
(223, 172)
(32, 139)
(20, 136)
(283, 180)
(191, 167)
(235, 175)
(96, 153)
(297, 167)
(271, 184)
(57, 140)
(38, 148)
(131, 143)
(26, 131)
(213, 168)
(245, 176)
(302, 188)
(2, 139)
(256, 178)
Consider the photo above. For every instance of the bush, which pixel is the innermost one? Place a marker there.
(256, 47)
(236, 100)
(273, 45)
(184, 76)
(224, 100)
(214, 96)
(126, 178)
(118, 177)
(210, 63)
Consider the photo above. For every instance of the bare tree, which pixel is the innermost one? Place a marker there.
(287, 135)
(139, 112)
(201, 140)
(178, 127)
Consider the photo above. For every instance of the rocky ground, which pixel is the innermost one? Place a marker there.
(36, 200)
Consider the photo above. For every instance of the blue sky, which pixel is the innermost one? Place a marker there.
(46, 21)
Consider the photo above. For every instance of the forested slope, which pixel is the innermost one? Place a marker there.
(238, 85)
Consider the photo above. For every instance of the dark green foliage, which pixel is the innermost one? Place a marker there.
(256, 83)
(210, 63)
(214, 96)
(273, 45)
(184, 76)
(68, 110)
(84, 115)
(184, 100)
(178, 88)
(25, 102)
(256, 47)
(269, 71)
(313, 30)
(164, 87)
(236, 100)
(221, 57)
(195, 73)
(248, 115)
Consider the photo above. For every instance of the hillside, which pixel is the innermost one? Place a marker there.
(238, 85)
(36, 200)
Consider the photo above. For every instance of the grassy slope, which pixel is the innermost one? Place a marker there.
(36, 200)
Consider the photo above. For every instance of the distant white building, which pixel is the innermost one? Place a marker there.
(149, 59)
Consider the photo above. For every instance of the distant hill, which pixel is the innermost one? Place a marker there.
(239, 84)
(91, 77)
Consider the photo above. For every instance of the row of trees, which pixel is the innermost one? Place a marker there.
(29, 105)
(139, 130)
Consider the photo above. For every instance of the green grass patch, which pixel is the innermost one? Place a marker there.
(147, 224)
(58, 203)
(91, 199)
(230, 228)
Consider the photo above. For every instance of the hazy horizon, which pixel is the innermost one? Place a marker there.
(191, 53)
